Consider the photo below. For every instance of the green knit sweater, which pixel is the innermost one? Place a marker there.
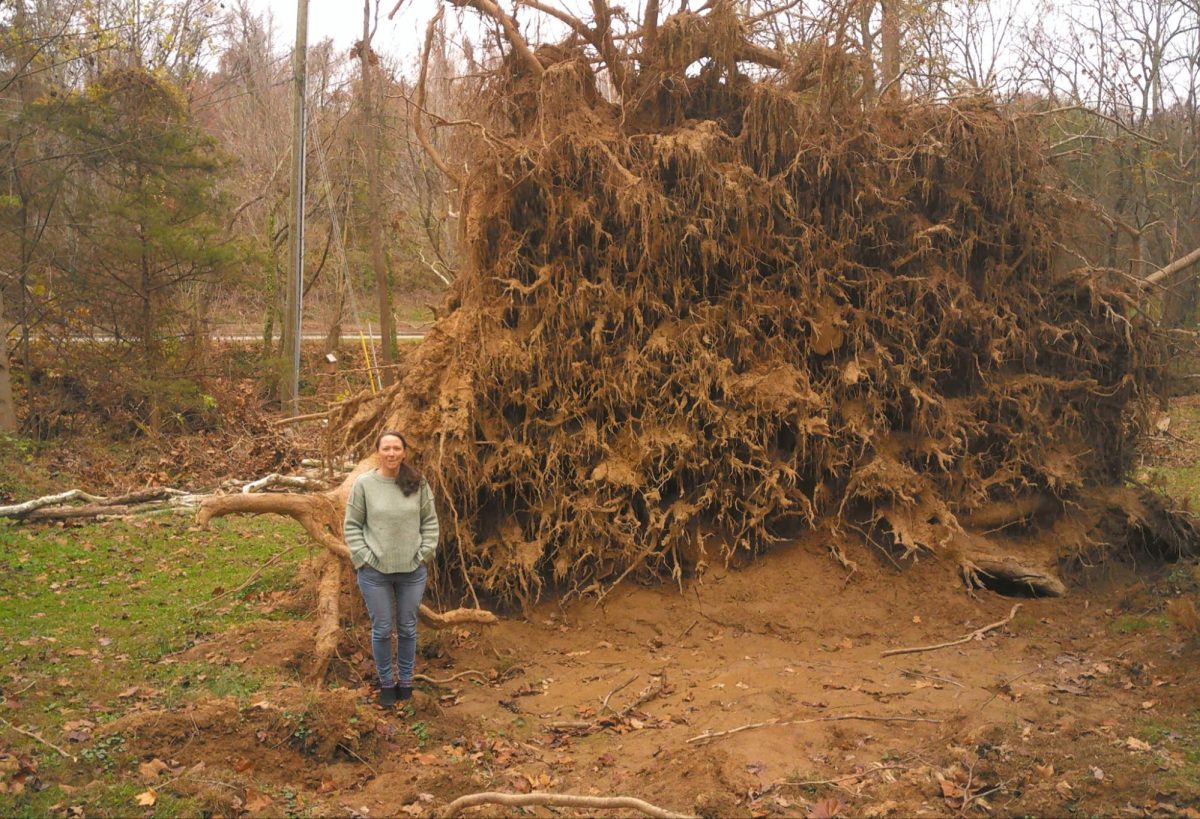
(386, 530)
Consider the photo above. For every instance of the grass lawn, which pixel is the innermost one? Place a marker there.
(87, 612)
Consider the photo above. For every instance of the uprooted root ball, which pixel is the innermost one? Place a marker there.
(768, 311)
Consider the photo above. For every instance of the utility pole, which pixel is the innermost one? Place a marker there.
(295, 283)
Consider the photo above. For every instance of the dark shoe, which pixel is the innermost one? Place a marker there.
(403, 692)
(387, 696)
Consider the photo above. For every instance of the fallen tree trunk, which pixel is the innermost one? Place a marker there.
(52, 507)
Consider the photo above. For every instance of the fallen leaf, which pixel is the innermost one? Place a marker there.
(147, 798)
(1135, 744)
(1097, 773)
(951, 790)
(825, 809)
(129, 693)
(1148, 704)
(152, 770)
(256, 801)
(882, 809)
(241, 764)
(1064, 789)
(1044, 772)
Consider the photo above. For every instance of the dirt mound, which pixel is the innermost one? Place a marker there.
(1065, 709)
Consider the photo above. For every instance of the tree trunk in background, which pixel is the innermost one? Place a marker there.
(868, 48)
(8, 410)
(149, 333)
(371, 133)
(890, 34)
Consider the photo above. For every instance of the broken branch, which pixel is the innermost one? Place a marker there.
(1173, 268)
(431, 151)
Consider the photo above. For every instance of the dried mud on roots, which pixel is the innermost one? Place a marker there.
(750, 311)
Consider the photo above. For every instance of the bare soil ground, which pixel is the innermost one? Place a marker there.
(1085, 704)
(759, 690)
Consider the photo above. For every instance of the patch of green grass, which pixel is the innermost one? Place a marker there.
(414, 314)
(107, 796)
(1180, 738)
(1137, 624)
(1182, 482)
(182, 680)
(17, 480)
(89, 611)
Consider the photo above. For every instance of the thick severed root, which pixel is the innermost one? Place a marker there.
(456, 617)
(986, 571)
(318, 514)
(328, 616)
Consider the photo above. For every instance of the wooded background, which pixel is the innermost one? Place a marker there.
(145, 154)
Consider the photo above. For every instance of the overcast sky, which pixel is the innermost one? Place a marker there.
(342, 20)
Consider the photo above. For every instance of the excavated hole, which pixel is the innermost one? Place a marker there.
(1009, 587)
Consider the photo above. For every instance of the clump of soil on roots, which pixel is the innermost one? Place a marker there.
(757, 308)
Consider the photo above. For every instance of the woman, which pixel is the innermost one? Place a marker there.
(391, 528)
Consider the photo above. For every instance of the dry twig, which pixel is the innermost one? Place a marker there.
(709, 736)
(32, 735)
(452, 678)
(977, 634)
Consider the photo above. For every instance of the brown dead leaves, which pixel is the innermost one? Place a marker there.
(17, 773)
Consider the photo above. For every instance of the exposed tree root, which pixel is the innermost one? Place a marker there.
(456, 617)
(328, 615)
(559, 800)
(1000, 514)
(321, 516)
(1003, 572)
(318, 514)
(34, 736)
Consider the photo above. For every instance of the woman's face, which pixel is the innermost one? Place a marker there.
(391, 452)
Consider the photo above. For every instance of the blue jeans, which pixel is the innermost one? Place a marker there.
(392, 601)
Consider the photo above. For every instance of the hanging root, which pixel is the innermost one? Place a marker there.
(321, 514)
